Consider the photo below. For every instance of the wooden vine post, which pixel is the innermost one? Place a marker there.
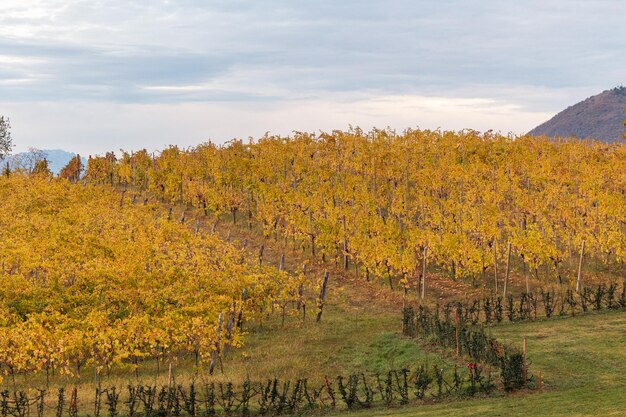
(524, 368)
(215, 353)
(180, 190)
(261, 255)
(229, 330)
(345, 245)
(423, 292)
(283, 305)
(301, 301)
(322, 297)
(244, 296)
(508, 264)
(95, 366)
(495, 263)
(580, 267)
(312, 233)
(170, 376)
(457, 319)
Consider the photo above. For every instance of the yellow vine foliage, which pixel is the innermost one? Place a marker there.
(85, 273)
(390, 196)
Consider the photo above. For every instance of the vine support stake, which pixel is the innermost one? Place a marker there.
(215, 354)
(525, 374)
(495, 263)
(457, 319)
(506, 274)
(95, 366)
(322, 297)
(580, 267)
(345, 245)
(424, 274)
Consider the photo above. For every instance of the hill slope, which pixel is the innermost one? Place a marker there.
(598, 117)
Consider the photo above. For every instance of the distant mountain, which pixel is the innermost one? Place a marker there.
(57, 159)
(598, 117)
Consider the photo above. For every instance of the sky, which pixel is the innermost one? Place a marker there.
(91, 76)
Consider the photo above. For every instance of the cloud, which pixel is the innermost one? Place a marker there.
(530, 57)
(317, 46)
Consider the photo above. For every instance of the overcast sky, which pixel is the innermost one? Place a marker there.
(97, 75)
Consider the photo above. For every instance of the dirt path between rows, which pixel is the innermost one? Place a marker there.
(350, 288)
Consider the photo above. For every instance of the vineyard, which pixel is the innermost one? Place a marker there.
(90, 276)
(193, 281)
(393, 206)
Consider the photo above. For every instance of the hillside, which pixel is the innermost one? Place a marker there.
(163, 283)
(598, 117)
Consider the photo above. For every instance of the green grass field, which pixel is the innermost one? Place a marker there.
(583, 360)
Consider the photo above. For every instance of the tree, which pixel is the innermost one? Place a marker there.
(27, 161)
(6, 144)
(72, 170)
(41, 168)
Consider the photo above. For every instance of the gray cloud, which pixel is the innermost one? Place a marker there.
(534, 55)
(107, 49)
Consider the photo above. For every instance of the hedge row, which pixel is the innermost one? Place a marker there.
(472, 342)
(534, 305)
(274, 397)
